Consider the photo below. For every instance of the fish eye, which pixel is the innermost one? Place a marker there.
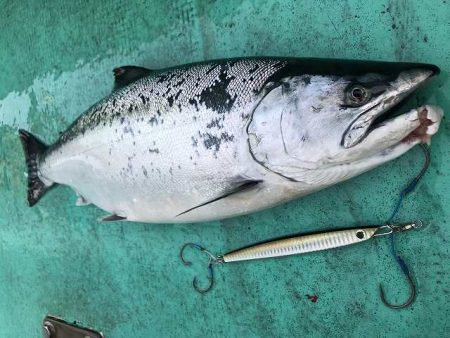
(358, 95)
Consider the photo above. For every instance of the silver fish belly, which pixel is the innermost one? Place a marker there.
(198, 143)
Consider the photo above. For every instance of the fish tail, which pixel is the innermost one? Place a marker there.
(33, 148)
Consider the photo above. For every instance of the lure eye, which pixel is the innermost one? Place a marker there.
(358, 95)
(360, 234)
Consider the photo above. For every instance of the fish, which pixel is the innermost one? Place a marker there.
(217, 139)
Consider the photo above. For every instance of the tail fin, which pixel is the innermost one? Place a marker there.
(33, 148)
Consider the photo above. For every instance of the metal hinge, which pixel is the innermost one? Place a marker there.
(54, 327)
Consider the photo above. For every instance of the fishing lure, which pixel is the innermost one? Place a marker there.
(294, 246)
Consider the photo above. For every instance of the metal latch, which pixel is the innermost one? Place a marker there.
(54, 327)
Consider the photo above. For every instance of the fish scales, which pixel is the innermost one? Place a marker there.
(193, 120)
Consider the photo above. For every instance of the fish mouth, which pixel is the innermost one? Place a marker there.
(387, 112)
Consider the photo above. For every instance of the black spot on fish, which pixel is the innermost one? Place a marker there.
(128, 129)
(155, 150)
(245, 116)
(130, 109)
(170, 171)
(214, 142)
(209, 71)
(144, 170)
(153, 120)
(170, 101)
(194, 141)
(162, 78)
(193, 102)
(217, 97)
(142, 97)
(254, 69)
(178, 94)
(122, 120)
(179, 83)
(286, 88)
(215, 123)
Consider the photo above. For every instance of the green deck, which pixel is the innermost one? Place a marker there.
(126, 279)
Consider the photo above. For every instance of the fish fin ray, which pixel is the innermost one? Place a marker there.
(244, 186)
(113, 218)
(124, 75)
(33, 148)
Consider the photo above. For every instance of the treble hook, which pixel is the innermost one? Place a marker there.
(212, 259)
(411, 283)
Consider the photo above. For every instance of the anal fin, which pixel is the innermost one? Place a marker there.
(81, 201)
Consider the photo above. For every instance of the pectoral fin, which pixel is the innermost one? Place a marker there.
(125, 75)
(244, 186)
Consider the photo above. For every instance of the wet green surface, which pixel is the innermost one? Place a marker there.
(126, 279)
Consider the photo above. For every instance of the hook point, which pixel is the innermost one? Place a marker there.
(409, 301)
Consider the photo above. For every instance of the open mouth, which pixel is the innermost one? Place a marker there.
(388, 118)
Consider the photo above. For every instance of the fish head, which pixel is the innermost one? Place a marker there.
(329, 126)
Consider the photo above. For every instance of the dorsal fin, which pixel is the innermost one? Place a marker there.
(124, 75)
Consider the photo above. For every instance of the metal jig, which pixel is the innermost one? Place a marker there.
(295, 245)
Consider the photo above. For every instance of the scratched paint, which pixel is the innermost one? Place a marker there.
(126, 278)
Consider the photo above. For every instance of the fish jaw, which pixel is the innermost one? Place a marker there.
(386, 143)
(414, 127)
